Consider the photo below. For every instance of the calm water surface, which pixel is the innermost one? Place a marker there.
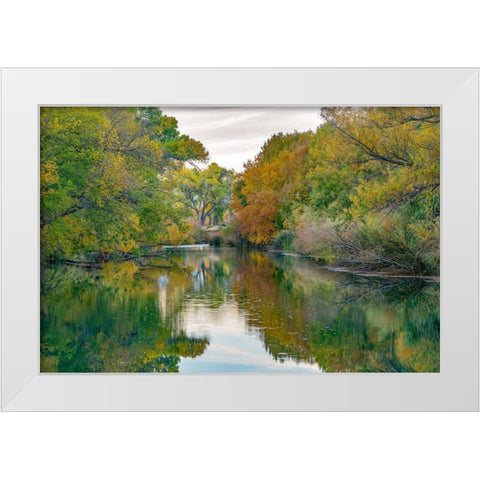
(232, 310)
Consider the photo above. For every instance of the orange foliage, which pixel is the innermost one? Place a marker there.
(268, 184)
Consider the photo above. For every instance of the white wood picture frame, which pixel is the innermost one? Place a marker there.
(454, 388)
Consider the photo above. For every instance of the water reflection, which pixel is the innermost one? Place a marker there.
(231, 310)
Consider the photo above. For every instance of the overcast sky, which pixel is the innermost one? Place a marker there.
(234, 135)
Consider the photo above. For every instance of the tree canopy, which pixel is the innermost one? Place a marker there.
(101, 178)
(264, 194)
(362, 189)
(206, 192)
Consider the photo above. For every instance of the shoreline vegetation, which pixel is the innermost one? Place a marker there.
(360, 194)
(166, 249)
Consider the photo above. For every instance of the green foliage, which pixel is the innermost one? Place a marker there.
(206, 193)
(227, 235)
(101, 179)
(217, 241)
(395, 241)
(364, 186)
(283, 240)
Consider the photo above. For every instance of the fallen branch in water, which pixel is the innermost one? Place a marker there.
(97, 263)
(82, 263)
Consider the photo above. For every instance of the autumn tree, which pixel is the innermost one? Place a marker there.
(100, 185)
(264, 193)
(363, 190)
(398, 157)
(206, 192)
(394, 188)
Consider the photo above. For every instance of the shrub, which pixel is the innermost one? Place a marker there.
(216, 241)
(313, 235)
(389, 243)
(380, 242)
(413, 247)
(283, 240)
(176, 236)
(200, 235)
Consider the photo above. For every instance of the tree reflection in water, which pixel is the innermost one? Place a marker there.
(146, 318)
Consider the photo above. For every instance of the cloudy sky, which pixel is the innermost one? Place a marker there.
(234, 135)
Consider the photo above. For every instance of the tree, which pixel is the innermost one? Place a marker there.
(375, 177)
(398, 159)
(205, 192)
(362, 190)
(100, 169)
(264, 194)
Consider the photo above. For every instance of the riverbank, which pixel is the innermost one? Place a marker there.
(165, 251)
(363, 273)
(431, 278)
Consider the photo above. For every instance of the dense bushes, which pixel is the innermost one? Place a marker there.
(283, 240)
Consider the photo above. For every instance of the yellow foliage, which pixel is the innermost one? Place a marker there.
(127, 245)
(266, 184)
(48, 173)
(396, 152)
(174, 235)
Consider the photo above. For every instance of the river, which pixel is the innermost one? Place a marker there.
(229, 310)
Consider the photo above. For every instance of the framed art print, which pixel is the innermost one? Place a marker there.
(240, 239)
